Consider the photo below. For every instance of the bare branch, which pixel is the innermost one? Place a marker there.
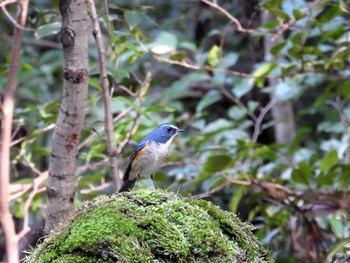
(285, 26)
(259, 120)
(36, 184)
(7, 2)
(212, 191)
(234, 20)
(8, 226)
(106, 95)
(48, 128)
(8, 15)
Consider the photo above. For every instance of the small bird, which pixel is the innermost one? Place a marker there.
(149, 154)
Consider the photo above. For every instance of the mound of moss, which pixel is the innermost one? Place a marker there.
(150, 226)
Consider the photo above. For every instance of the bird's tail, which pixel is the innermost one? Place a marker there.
(127, 182)
(127, 185)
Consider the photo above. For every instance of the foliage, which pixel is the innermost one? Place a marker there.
(211, 80)
(148, 225)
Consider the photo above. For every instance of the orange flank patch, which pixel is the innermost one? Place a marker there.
(139, 153)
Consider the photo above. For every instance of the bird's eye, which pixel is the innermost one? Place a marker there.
(170, 129)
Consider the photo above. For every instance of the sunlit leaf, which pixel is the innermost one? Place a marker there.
(48, 30)
(214, 56)
(329, 161)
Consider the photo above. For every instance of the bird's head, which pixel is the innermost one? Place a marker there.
(164, 133)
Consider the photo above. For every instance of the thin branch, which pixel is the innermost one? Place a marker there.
(7, 222)
(234, 99)
(8, 15)
(237, 182)
(7, 2)
(234, 20)
(259, 120)
(185, 64)
(36, 184)
(106, 95)
(91, 166)
(211, 191)
(285, 26)
(144, 87)
(47, 128)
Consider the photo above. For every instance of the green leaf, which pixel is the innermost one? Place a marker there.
(94, 83)
(298, 14)
(48, 30)
(329, 161)
(236, 198)
(214, 56)
(159, 108)
(275, 50)
(133, 105)
(229, 60)
(133, 18)
(178, 56)
(210, 98)
(119, 74)
(303, 174)
(287, 90)
(237, 113)
(260, 72)
(216, 163)
(279, 13)
(337, 227)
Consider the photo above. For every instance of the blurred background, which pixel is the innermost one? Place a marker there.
(261, 87)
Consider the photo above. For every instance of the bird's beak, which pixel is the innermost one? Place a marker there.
(179, 131)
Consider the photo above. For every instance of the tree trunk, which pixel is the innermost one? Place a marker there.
(282, 111)
(61, 182)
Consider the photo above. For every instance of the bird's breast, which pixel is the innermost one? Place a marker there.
(153, 155)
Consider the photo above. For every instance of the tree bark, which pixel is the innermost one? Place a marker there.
(7, 221)
(282, 111)
(61, 181)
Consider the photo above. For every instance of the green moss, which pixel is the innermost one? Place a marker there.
(150, 225)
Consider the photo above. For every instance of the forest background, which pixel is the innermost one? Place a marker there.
(261, 87)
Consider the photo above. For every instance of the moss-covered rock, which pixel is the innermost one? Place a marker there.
(150, 226)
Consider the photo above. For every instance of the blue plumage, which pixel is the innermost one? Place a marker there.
(149, 154)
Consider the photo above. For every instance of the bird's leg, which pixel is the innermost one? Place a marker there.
(154, 183)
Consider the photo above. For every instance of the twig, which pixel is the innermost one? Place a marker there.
(144, 87)
(8, 15)
(258, 121)
(106, 95)
(48, 128)
(285, 26)
(233, 98)
(91, 166)
(185, 64)
(232, 18)
(7, 2)
(237, 182)
(37, 182)
(212, 191)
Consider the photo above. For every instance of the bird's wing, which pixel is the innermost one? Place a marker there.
(137, 152)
